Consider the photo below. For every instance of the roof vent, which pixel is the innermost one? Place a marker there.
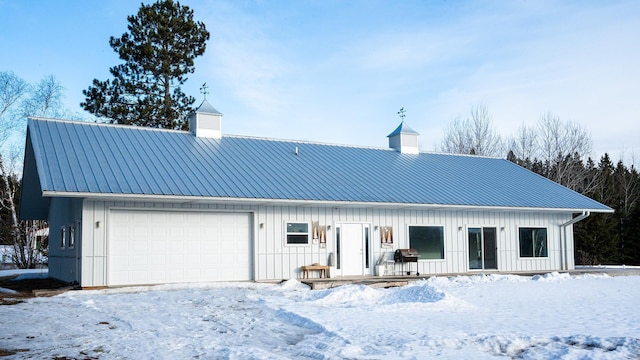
(404, 139)
(206, 122)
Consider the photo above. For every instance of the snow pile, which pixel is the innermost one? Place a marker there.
(480, 317)
(7, 291)
(26, 275)
(347, 296)
(554, 276)
(419, 292)
(294, 285)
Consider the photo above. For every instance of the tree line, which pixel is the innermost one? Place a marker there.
(559, 150)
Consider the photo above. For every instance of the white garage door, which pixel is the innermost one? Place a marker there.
(155, 247)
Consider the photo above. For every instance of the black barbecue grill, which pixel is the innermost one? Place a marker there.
(403, 256)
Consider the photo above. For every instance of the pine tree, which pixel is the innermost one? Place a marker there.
(158, 51)
(597, 238)
(630, 231)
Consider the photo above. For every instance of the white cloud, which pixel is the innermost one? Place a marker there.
(344, 79)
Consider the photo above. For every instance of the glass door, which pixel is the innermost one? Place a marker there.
(483, 248)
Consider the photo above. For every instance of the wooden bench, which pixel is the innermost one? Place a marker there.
(320, 268)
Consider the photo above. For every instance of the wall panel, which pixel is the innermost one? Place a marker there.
(274, 260)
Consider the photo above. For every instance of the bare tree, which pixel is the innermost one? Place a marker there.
(45, 99)
(473, 135)
(12, 90)
(456, 141)
(525, 143)
(18, 100)
(628, 182)
(26, 252)
(561, 145)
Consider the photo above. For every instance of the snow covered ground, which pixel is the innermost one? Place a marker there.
(476, 317)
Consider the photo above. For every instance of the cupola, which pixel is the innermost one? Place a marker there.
(206, 122)
(404, 139)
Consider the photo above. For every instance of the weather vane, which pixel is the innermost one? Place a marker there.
(203, 90)
(401, 113)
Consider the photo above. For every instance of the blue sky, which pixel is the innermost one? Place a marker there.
(339, 71)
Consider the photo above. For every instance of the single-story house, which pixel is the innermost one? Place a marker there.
(132, 205)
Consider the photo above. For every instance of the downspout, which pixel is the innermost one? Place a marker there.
(564, 259)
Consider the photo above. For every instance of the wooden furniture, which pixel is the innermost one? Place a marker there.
(322, 269)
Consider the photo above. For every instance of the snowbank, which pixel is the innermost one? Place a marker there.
(550, 316)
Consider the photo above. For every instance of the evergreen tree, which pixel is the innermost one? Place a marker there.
(597, 238)
(159, 50)
(629, 232)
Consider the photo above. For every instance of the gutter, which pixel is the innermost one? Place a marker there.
(564, 256)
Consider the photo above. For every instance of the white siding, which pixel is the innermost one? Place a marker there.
(274, 260)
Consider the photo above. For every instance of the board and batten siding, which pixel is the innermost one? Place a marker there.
(63, 260)
(275, 260)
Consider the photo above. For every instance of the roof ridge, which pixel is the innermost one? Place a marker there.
(105, 124)
(310, 142)
(371, 147)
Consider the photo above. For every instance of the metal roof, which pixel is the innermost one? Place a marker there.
(64, 158)
(403, 129)
(205, 107)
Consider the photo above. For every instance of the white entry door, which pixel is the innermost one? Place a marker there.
(353, 244)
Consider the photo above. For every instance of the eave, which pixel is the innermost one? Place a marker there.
(305, 203)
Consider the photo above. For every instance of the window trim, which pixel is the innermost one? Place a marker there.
(444, 240)
(63, 237)
(72, 239)
(287, 233)
(533, 257)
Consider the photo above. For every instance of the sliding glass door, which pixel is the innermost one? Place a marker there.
(483, 248)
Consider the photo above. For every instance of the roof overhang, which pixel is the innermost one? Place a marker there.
(303, 203)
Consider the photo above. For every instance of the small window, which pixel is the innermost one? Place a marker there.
(63, 237)
(297, 233)
(533, 242)
(366, 247)
(428, 241)
(338, 247)
(72, 239)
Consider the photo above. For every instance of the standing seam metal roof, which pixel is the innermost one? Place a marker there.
(76, 157)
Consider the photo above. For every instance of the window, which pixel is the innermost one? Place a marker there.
(338, 246)
(366, 246)
(428, 241)
(533, 242)
(63, 236)
(72, 239)
(297, 233)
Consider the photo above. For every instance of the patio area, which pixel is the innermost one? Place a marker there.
(402, 280)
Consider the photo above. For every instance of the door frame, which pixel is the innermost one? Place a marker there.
(466, 242)
(366, 242)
